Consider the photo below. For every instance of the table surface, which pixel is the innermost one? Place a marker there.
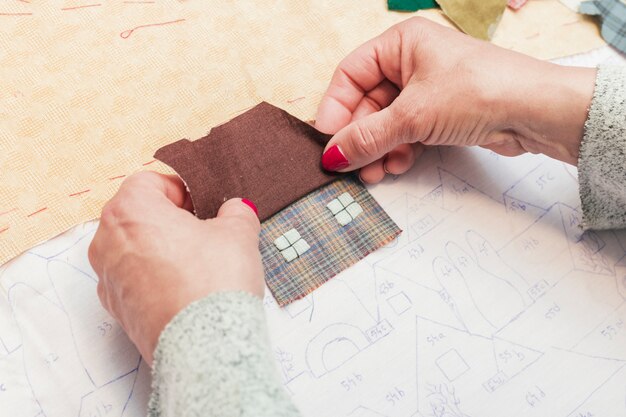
(492, 301)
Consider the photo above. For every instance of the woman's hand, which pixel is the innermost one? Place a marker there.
(154, 257)
(420, 83)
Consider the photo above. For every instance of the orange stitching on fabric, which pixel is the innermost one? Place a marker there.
(8, 211)
(126, 34)
(81, 7)
(79, 193)
(37, 212)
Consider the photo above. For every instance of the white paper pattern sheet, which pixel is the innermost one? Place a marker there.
(491, 303)
(61, 354)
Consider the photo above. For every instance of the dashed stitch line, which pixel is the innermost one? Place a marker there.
(37, 212)
(79, 193)
(81, 7)
(8, 211)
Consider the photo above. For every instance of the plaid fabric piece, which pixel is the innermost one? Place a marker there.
(613, 14)
(516, 4)
(333, 248)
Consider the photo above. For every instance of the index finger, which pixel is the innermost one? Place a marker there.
(358, 73)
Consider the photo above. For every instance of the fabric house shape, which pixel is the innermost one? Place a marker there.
(314, 223)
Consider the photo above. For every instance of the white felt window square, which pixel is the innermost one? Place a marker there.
(343, 217)
(344, 208)
(289, 254)
(281, 243)
(291, 245)
(301, 247)
(335, 206)
(354, 209)
(292, 236)
(346, 199)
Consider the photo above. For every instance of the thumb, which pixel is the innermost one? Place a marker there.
(366, 140)
(241, 208)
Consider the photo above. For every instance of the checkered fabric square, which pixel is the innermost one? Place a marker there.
(613, 14)
(516, 4)
(332, 247)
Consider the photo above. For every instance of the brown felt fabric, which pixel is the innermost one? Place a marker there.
(265, 155)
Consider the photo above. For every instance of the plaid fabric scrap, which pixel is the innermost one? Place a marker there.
(332, 247)
(613, 14)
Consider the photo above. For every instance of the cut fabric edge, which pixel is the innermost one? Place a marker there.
(177, 172)
(283, 303)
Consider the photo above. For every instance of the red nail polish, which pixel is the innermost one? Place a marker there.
(334, 160)
(251, 205)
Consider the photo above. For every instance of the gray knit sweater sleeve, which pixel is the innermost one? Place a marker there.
(602, 160)
(214, 359)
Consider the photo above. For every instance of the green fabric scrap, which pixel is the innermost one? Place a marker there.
(478, 18)
(411, 5)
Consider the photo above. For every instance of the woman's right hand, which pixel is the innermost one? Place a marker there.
(153, 257)
(420, 83)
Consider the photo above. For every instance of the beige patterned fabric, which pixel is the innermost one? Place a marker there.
(90, 89)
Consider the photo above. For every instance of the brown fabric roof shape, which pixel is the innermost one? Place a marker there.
(265, 155)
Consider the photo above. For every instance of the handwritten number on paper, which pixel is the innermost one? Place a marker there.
(552, 311)
(544, 179)
(535, 396)
(385, 287)
(395, 396)
(51, 358)
(104, 328)
(434, 338)
(508, 355)
(612, 330)
(351, 381)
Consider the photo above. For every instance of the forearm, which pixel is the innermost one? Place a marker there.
(214, 358)
(577, 115)
(549, 108)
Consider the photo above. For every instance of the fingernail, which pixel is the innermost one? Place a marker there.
(333, 159)
(385, 166)
(251, 205)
